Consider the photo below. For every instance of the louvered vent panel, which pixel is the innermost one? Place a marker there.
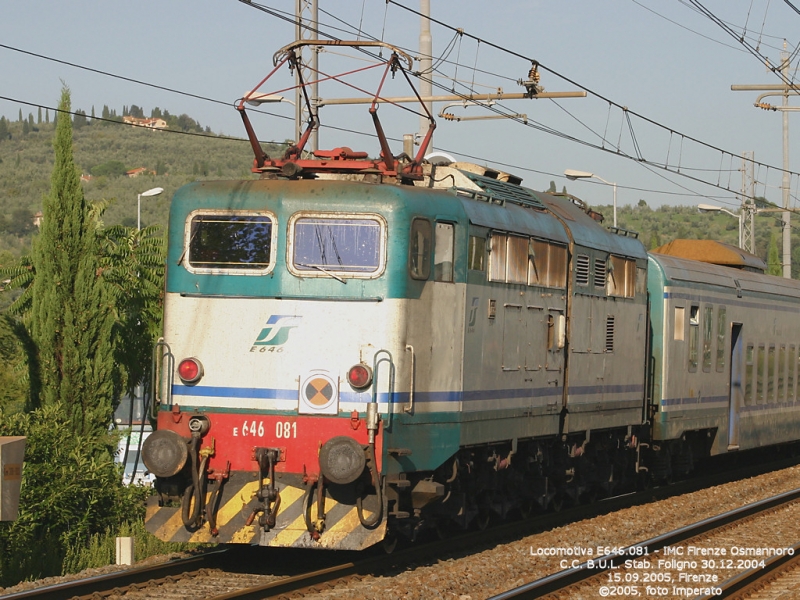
(610, 333)
(582, 270)
(599, 273)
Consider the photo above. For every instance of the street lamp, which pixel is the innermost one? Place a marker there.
(573, 175)
(740, 216)
(743, 215)
(256, 99)
(154, 192)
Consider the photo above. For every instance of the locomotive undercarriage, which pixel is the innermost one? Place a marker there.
(673, 459)
(481, 483)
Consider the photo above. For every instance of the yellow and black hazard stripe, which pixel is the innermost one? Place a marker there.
(343, 529)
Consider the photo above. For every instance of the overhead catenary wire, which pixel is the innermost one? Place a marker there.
(459, 34)
(569, 80)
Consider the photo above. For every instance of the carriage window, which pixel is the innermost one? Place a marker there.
(351, 245)
(708, 337)
(443, 252)
(497, 257)
(557, 267)
(771, 374)
(694, 336)
(518, 259)
(419, 249)
(477, 253)
(781, 395)
(241, 241)
(748, 375)
(679, 325)
(760, 375)
(547, 264)
(790, 366)
(721, 329)
(621, 277)
(517, 270)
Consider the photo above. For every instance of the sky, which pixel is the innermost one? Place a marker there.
(659, 120)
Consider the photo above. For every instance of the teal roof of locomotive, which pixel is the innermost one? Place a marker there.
(515, 218)
(589, 233)
(498, 209)
(398, 205)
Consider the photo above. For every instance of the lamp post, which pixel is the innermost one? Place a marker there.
(740, 216)
(573, 175)
(743, 215)
(256, 99)
(154, 192)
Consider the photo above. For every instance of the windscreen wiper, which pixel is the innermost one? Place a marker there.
(318, 268)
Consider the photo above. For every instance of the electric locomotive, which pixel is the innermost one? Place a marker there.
(359, 348)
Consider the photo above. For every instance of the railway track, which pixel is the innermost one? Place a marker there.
(231, 574)
(778, 578)
(705, 559)
(129, 578)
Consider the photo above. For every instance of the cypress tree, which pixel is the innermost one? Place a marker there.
(774, 266)
(72, 319)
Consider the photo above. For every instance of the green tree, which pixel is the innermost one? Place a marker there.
(69, 450)
(14, 390)
(71, 315)
(110, 168)
(79, 119)
(132, 264)
(4, 135)
(774, 266)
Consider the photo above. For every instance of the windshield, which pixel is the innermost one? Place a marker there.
(337, 245)
(230, 241)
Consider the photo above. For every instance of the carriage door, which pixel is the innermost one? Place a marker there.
(736, 395)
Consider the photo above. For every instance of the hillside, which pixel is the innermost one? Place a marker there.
(107, 150)
(103, 150)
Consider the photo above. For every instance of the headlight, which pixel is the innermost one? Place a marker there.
(342, 460)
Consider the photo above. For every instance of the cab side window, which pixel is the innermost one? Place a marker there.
(419, 249)
(443, 252)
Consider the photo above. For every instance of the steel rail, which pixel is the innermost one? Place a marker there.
(746, 579)
(463, 544)
(582, 572)
(118, 579)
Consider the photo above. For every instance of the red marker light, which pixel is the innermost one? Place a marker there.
(190, 370)
(359, 376)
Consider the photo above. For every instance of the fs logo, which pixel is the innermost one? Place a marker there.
(473, 312)
(277, 330)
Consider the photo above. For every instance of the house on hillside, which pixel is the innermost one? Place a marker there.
(139, 171)
(149, 123)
